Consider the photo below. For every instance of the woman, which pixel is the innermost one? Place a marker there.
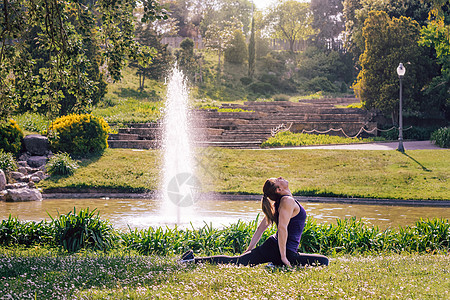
(281, 208)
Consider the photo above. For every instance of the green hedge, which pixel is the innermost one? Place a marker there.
(74, 231)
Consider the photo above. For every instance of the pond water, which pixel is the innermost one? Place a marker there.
(142, 213)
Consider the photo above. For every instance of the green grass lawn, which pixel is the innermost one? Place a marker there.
(42, 274)
(418, 174)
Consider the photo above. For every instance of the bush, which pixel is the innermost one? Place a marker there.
(11, 137)
(236, 52)
(7, 162)
(79, 135)
(83, 231)
(261, 88)
(246, 80)
(441, 137)
(281, 97)
(320, 84)
(61, 164)
(14, 232)
(409, 133)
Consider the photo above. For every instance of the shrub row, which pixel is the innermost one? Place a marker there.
(287, 138)
(74, 231)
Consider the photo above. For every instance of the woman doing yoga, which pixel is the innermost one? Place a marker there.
(281, 208)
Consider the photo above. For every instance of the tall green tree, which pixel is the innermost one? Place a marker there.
(387, 43)
(74, 39)
(236, 51)
(252, 51)
(357, 11)
(437, 36)
(328, 23)
(290, 20)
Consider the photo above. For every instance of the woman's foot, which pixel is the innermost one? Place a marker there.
(188, 256)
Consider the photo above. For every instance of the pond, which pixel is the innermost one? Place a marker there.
(142, 213)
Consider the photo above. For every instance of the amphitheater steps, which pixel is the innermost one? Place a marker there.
(249, 128)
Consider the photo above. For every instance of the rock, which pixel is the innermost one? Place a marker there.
(2, 180)
(32, 170)
(22, 170)
(3, 195)
(23, 194)
(36, 161)
(40, 174)
(35, 179)
(24, 157)
(17, 185)
(36, 144)
(25, 178)
(16, 175)
(31, 185)
(22, 163)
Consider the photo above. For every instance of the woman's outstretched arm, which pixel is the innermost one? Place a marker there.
(258, 233)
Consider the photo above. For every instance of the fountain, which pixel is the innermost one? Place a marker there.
(179, 184)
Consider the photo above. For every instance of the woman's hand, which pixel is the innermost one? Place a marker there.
(286, 262)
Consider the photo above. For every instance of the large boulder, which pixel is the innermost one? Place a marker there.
(36, 144)
(23, 194)
(2, 180)
(37, 161)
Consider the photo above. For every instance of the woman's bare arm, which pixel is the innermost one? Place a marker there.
(258, 233)
(285, 212)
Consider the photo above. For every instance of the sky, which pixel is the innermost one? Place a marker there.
(260, 4)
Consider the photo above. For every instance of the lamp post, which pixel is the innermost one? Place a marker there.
(401, 72)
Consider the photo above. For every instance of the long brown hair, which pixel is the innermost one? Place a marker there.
(268, 208)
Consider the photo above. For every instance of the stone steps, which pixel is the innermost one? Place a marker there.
(250, 128)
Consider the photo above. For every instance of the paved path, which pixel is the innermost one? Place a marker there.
(408, 145)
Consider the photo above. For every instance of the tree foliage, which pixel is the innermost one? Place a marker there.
(328, 22)
(357, 11)
(252, 51)
(290, 20)
(161, 56)
(387, 43)
(53, 50)
(437, 35)
(219, 35)
(236, 52)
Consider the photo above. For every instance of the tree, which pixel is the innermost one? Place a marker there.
(290, 20)
(74, 38)
(437, 35)
(236, 52)
(225, 10)
(252, 51)
(328, 22)
(356, 12)
(218, 36)
(161, 56)
(387, 43)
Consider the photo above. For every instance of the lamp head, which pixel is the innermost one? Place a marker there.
(401, 70)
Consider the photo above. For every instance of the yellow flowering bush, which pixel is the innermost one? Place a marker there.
(11, 137)
(79, 135)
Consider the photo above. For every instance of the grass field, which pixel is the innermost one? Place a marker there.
(418, 174)
(42, 274)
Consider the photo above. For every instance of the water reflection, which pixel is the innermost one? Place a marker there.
(142, 213)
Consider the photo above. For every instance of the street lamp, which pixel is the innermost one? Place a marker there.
(401, 72)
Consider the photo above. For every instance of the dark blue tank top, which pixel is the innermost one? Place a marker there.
(294, 228)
